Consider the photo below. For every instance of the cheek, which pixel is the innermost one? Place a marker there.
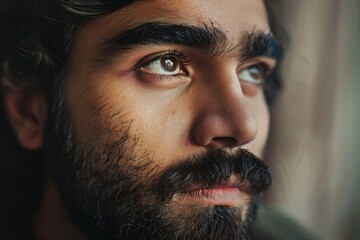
(156, 122)
(163, 124)
(99, 119)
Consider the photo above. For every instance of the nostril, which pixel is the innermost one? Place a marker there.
(224, 142)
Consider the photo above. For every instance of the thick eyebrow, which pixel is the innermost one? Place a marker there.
(257, 43)
(208, 38)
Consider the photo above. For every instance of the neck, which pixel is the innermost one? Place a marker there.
(53, 222)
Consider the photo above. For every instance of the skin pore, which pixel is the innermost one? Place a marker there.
(152, 134)
(200, 105)
(192, 115)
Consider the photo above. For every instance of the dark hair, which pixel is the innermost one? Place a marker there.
(36, 40)
(35, 43)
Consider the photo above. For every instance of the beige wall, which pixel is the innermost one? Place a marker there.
(315, 142)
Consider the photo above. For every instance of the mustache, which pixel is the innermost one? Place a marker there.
(212, 169)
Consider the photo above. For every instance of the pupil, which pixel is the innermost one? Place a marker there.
(169, 64)
(255, 73)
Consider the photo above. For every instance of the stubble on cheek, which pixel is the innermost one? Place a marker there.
(116, 155)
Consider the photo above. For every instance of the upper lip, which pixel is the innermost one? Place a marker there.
(233, 181)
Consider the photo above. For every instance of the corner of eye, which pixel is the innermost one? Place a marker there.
(270, 62)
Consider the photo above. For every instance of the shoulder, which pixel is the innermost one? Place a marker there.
(270, 224)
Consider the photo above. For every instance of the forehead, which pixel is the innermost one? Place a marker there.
(225, 13)
(231, 16)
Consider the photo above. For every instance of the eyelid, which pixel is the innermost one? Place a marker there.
(147, 60)
(269, 64)
(165, 80)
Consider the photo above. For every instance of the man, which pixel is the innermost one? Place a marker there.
(150, 116)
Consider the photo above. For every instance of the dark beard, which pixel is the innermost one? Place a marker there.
(113, 192)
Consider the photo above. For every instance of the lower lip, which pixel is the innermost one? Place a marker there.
(227, 196)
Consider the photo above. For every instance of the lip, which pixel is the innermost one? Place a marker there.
(230, 193)
(232, 182)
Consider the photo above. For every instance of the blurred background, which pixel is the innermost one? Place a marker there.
(315, 140)
(314, 148)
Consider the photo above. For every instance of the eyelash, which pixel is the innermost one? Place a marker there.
(266, 68)
(183, 58)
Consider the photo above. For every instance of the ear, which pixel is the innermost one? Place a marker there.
(27, 112)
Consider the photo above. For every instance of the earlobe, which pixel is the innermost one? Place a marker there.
(27, 113)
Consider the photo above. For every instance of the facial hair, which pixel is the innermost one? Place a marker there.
(113, 192)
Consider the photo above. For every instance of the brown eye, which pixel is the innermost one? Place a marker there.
(254, 74)
(164, 65)
(169, 64)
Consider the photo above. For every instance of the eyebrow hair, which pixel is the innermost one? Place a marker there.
(208, 38)
(257, 43)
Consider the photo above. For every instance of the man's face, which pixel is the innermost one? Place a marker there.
(158, 101)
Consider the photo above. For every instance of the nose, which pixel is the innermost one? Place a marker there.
(225, 120)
